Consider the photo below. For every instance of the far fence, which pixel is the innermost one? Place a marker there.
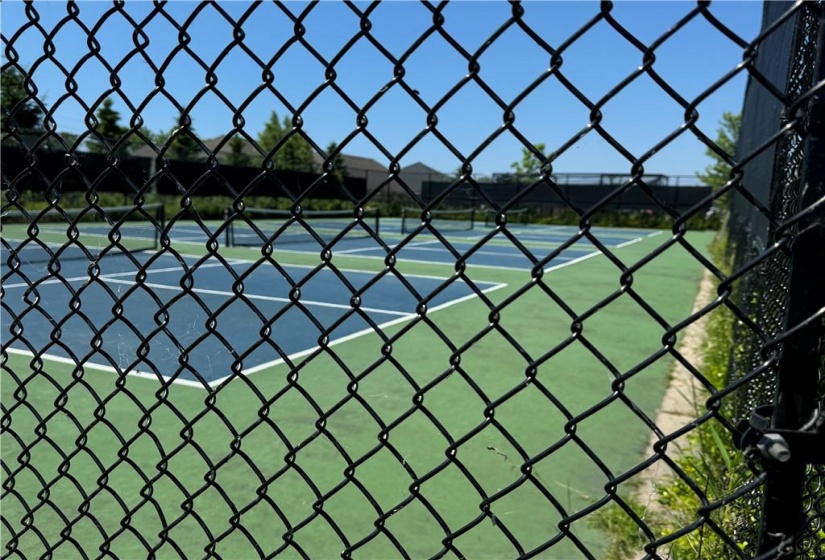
(543, 199)
(135, 173)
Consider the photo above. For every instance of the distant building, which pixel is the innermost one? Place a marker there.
(369, 169)
(376, 175)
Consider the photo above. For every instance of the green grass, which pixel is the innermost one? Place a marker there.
(105, 446)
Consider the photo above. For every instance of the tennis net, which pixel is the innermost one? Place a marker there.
(256, 226)
(513, 216)
(443, 220)
(80, 233)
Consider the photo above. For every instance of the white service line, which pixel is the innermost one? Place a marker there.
(187, 231)
(631, 242)
(255, 369)
(405, 261)
(99, 367)
(574, 261)
(190, 239)
(346, 338)
(115, 275)
(90, 234)
(362, 249)
(491, 253)
(350, 270)
(593, 254)
(307, 302)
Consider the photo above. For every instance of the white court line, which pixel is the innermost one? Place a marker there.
(491, 253)
(631, 242)
(414, 261)
(90, 234)
(437, 250)
(361, 249)
(574, 261)
(114, 275)
(200, 239)
(636, 240)
(382, 326)
(255, 369)
(234, 261)
(100, 367)
(187, 231)
(371, 273)
(307, 302)
(593, 254)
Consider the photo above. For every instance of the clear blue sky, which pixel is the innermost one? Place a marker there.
(638, 117)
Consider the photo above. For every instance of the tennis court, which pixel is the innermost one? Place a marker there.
(312, 349)
(277, 313)
(297, 280)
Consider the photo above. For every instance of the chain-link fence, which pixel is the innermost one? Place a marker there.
(256, 355)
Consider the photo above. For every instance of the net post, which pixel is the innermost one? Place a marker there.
(404, 221)
(228, 233)
(161, 224)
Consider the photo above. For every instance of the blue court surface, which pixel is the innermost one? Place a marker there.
(279, 315)
(263, 315)
(537, 242)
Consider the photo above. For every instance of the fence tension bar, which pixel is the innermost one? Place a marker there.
(786, 437)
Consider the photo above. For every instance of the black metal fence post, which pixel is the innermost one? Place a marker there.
(797, 406)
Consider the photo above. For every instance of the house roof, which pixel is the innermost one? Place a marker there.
(353, 163)
(210, 143)
(423, 169)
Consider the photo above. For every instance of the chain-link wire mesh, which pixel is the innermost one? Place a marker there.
(218, 393)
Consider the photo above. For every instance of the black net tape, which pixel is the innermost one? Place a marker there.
(167, 393)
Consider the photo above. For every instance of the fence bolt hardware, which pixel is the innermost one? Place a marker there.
(764, 445)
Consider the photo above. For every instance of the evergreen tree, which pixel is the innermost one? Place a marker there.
(237, 156)
(69, 138)
(184, 146)
(20, 112)
(27, 117)
(272, 132)
(295, 154)
(108, 129)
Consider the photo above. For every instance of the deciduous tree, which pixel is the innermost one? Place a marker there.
(530, 165)
(718, 172)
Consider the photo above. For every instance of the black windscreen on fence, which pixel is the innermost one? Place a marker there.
(413, 280)
(675, 198)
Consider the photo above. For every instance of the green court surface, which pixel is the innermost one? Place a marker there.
(130, 455)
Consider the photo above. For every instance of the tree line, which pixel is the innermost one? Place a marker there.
(715, 175)
(182, 142)
(294, 154)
